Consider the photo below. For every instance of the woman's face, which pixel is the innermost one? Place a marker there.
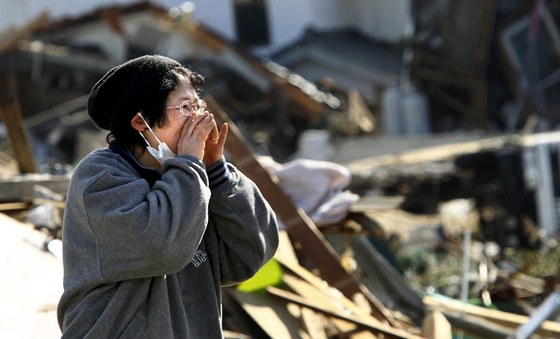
(170, 131)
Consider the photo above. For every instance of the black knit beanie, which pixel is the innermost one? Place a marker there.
(126, 89)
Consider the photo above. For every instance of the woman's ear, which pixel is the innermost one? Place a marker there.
(138, 123)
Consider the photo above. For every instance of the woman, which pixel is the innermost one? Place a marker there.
(157, 222)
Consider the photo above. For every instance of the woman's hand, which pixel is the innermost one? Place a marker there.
(195, 133)
(214, 150)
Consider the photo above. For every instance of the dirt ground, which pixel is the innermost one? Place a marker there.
(31, 281)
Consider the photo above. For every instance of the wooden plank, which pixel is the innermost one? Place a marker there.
(436, 326)
(285, 250)
(11, 206)
(22, 188)
(309, 292)
(54, 203)
(314, 323)
(235, 335)
(376, 328)
(270, 314)
(236, 318)
(10, 113)
(452, 150)
(300, 227)
(321, 285)
(357, 306)
(548, 328)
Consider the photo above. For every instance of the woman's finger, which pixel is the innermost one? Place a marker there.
(223, 134)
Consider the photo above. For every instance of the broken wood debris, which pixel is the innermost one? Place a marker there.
(301, 228)
(338, 281)
(348, 315)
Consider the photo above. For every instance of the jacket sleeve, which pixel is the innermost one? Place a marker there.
(139, 231)
(246, 227)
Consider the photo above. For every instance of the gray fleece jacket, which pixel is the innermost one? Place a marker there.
(145, 256)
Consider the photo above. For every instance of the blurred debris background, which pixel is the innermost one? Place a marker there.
(409, 148)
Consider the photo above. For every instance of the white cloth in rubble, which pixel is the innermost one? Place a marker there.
(317, 187)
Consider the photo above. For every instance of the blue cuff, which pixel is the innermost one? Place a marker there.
(218, 173)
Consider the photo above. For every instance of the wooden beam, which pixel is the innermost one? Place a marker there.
(10, 114)
(300, 227)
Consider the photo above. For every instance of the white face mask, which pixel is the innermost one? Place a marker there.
(163, 152)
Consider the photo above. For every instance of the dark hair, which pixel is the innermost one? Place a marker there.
(153, 109)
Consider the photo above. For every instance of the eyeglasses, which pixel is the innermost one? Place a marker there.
(187, 107)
